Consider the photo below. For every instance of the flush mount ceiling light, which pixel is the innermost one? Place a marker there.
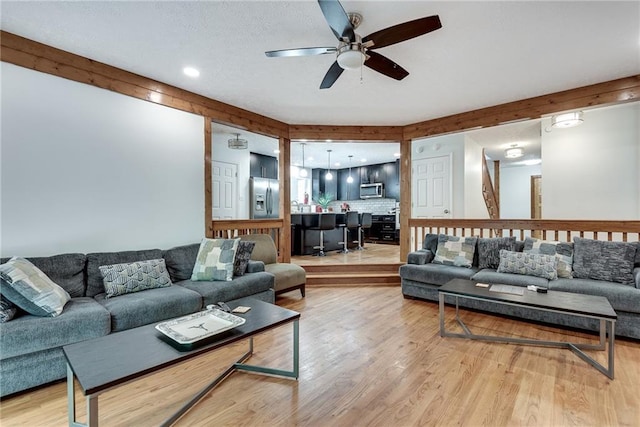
(191, 72)
(350, 178)
(302, 173)
(350, 57)
(567, 120)
(328, 176)
(514, 152)
(237, 143)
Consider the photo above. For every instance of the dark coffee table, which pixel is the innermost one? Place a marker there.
(554, 301)
(103, 363)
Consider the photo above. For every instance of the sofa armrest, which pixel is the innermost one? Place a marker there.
(255, 266)
(420, 257)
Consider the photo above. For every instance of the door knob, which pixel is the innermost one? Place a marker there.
(446, 211)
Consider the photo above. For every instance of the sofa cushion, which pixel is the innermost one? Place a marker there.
(491, 276)
(528, 264)
(95, 284)
(66, 271)
(180, 261)
(563, 251)
(603, 260)
(435, 274)
(120, 279)
(286, 275)
(255, 266)
(8, 310)
(621, 297)
(430, 242)
(215, 260)
(27, 287)
(214, 292)
(83, 318)
(419, 257)
(153, 305)
(455, 251)
(265, 248)
(243, 255)
(489, 250)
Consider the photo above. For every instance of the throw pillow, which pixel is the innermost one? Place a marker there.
(243, 255)
(7, 310)
(489, 250)
(430, 242)
(563, 251)
(529, 264)
(215, 260)
(30, 289)
(603, 260)
(456, 251)
(126, 278)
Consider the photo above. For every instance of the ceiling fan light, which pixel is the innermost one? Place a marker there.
(350, 59)
(567, 120)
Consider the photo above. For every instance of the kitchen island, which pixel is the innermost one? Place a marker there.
(303, 239)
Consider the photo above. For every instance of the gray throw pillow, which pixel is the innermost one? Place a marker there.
(7, 310)
(489, 250)
(528, 264)
(29, 288)
(603, 260)
(215, 260)
(430, 242)
(453, 250)
(563, 251)
(120, 279)
(243, 255)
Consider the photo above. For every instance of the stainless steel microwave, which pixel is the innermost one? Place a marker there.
(371, 191)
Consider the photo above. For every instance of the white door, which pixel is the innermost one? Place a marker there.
(432, 187)
(224, 190)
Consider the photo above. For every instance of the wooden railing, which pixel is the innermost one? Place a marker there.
(560, 230)
(228, 229)
(488, 194)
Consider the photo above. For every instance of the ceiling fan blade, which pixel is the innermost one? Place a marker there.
(303, 51)
(401, 32)
(337, 19)
(331, 76)
(385, 66)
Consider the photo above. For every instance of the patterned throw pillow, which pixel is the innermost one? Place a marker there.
(243, 255)
(538, 265)
(30, 289)
(215, 260)
(489, 250)
(126, 278)
(7, 310)
(563, 251)
(456, 251)
(603, 260)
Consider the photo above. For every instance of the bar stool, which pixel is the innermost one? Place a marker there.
(326, 221)
(365, 222)
(350, 221)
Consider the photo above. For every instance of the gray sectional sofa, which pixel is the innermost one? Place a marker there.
(591, 262)
(31, 347)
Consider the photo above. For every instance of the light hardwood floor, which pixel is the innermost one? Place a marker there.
(372, 254)
(368, 357)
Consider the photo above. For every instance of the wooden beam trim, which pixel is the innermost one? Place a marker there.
(355, 133)
(37, 56)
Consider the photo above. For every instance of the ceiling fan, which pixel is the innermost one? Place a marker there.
(353, 51)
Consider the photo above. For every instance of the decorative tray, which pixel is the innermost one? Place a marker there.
(190, 329)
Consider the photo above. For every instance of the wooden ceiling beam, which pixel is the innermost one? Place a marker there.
(353, 133)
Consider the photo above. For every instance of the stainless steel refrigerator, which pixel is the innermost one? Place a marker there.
(265, 196)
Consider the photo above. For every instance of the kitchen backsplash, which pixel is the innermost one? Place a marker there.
(375, 206)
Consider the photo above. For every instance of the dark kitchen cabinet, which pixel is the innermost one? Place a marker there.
(261, 166)
(348, 191)
(319, 184)
(392, 180)
(383, 229)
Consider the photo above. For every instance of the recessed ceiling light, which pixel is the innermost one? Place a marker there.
(276, 151)
(363, 160)
(396, 154)
(191, 72)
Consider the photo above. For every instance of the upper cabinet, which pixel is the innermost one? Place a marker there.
(346, 190)
(262, 166)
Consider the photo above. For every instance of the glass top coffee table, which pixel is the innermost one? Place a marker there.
(103, 363)
(592, 306)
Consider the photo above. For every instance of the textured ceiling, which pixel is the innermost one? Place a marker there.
(487, 53)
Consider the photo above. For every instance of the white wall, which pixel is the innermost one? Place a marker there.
(84, 169)
(474, 205)
(220, 151)
(515, 191)
(592, 171)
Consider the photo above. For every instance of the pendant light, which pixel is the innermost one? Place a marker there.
(328, 175)
(302, 173)
(350, 178)
(237, 143)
